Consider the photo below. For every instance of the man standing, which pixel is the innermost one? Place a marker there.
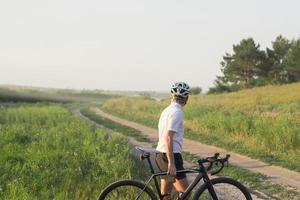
(171, 133)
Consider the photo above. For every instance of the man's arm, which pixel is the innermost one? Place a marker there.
(169, 151)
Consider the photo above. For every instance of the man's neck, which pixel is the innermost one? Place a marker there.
(174, 101)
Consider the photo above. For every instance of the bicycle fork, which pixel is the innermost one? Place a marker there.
(210, 187)
(208, 183)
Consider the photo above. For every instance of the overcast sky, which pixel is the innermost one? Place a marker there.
(131, 44)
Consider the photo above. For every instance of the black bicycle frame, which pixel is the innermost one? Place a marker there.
(202, 174)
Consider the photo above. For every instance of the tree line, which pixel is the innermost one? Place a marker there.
(249, 66)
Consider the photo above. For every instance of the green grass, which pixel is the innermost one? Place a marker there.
(283, 158)
(125, 130)
(263, 123)
(254, 181)
(47, 153)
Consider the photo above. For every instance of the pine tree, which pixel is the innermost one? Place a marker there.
(276, 56)
(241, 67)
(292, 62)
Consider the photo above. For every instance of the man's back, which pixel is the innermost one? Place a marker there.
(171, 119)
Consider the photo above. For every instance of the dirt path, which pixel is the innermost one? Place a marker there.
(276, 174)
(256, 195)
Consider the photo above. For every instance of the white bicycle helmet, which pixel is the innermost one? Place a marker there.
(180, 89)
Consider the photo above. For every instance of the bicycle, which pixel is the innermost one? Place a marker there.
(216, 188)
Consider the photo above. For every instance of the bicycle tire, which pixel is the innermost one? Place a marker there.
(132, 189)
(203, 193)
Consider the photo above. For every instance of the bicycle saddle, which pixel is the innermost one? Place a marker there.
(146, 151)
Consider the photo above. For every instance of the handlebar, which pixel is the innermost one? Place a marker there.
(214, 160)
(145, 154)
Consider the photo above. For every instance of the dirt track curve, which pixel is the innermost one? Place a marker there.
(256, 195)
(276, 174)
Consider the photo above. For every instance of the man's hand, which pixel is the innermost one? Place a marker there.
(171, 169)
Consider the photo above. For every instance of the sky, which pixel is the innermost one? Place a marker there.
(132, 44)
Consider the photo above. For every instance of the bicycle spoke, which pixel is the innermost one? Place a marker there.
(127, 193)
(224, 191)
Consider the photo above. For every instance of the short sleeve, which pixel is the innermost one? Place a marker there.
(174, 121)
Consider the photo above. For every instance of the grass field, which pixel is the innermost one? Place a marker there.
(46, 153)
(263, 123)
(127, 131)
(254, 181)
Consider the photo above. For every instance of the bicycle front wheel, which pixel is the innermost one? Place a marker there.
(127, 190)
(225, 189)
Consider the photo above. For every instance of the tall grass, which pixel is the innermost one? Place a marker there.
(46, 153)
(254, 181)
(263, 122)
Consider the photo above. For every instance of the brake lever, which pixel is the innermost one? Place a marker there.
(227, 159)
(142, 156)
(223, 161)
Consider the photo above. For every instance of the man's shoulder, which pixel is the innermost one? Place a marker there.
(175, 108)
(172, 110)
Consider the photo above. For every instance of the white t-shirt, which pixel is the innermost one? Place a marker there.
(171, 119)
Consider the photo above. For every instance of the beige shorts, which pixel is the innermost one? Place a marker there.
(162, 164)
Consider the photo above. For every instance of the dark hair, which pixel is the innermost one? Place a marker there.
(180, 99)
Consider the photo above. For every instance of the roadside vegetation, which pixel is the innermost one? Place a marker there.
(47, 153)
(263, 123)
(254, 181)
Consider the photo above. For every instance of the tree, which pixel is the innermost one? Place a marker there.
(276, 57)
(292, 62)
(196, 90)
(249, 66)
(241, 67)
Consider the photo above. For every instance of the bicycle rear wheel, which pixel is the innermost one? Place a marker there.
(127, 190)
(225, 188)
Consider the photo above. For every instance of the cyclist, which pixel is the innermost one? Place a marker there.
(171, 131)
